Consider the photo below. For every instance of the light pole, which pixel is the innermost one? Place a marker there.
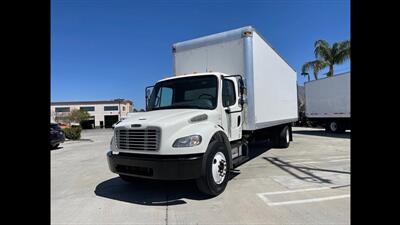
(306, 74)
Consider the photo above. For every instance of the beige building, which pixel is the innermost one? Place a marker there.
(103, 113)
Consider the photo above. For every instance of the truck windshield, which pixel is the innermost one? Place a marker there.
(190, 92)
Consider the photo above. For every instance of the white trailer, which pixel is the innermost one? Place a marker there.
(328, 102)
(228, 89)
(270, 81)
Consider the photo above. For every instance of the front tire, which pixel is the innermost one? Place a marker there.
(215, 171)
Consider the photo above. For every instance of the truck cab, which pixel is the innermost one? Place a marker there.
(186, 117)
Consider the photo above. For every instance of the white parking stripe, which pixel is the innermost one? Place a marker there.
(335, 157)
(314, 162)
(339, 160)
(264, 197)
(307, 200)
(292, 191)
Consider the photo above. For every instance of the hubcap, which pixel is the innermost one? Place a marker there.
(333, 126)
(219, 168)
(287, 136)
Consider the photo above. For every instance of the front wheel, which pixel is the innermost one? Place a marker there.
(215, 172)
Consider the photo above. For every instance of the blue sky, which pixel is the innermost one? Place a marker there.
(107, 49)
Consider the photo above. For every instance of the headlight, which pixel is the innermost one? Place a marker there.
(188, 141)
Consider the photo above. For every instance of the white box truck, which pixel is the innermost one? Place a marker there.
(227, 89)
(328, 102)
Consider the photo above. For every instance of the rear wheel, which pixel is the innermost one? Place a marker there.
(282, 138)
(215, 173)
(335, 127)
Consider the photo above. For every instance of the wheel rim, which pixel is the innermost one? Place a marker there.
(218, 167)
(333, 126)
(287, 136)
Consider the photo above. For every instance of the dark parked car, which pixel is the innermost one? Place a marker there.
(57, 135)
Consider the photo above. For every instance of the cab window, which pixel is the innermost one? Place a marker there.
(228, 93)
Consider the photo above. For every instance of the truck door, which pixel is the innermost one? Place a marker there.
(231, 116)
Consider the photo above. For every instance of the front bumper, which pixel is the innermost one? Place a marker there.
(159, 167)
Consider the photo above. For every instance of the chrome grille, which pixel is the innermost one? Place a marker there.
(135, 139)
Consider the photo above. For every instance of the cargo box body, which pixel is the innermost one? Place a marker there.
(271, 84)
(328, 97)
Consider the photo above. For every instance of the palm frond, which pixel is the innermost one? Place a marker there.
(315, 66)
(322, 50)
(343, 53)
(307, 66)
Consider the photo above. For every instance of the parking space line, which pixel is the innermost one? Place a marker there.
(293, 191)
(339, 160)
(264, 197)
(316, 162)
(308, 200)
(336, 157)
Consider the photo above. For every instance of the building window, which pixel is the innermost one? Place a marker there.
(87, 108)
(62, 109)
(111, 108)
(123, 108)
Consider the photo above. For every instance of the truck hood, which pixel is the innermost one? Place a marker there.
(162, 118)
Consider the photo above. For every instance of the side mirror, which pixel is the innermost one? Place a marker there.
(228, 110)
(147, 93)
(241, 101)
(241, 88)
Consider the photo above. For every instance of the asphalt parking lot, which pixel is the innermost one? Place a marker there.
(308, 183)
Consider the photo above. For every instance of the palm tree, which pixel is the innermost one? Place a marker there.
(315, 65)
(337, 54)
(327, 56)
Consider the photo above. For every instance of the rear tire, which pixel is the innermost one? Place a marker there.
(215, 171)
(335, 127)
(282, 138)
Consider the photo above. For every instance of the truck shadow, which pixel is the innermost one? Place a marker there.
(149, 192)
(323, 133)
(161, 193)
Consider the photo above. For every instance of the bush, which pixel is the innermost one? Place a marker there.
(73, 133)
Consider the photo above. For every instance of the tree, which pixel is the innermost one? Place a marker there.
(337, 54)
(316, 66)
(327, 56)
(78, 115)
(141, 110)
